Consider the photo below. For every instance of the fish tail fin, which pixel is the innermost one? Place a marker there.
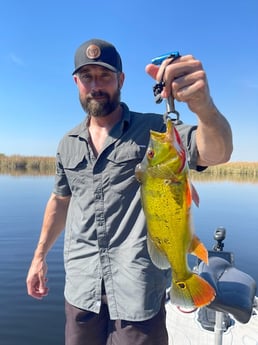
(194, 292)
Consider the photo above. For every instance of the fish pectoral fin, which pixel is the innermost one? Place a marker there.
(197, 248)
(157, 257)
(163, 171)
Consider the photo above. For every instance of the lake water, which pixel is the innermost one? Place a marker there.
(25, 321)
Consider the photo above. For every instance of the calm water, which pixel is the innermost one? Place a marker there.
(25, 321)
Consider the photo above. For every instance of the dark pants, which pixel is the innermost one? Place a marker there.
(87, 328)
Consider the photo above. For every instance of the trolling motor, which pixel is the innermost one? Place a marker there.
(235, 290)
(217, 250)
(219, 236)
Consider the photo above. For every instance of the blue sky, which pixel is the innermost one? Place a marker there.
(39, 100)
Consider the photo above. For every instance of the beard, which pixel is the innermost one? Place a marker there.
(100, 108)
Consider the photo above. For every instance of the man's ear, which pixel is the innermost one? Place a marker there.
(75, 78)
(121, 80)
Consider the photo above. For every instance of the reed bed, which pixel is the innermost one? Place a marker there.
(33, 165)
(17, 164)
(232, 171)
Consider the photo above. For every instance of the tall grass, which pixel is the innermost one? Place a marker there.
(237, 171)
(233, 171)
(17, 164)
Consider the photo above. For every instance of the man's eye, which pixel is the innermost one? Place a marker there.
(85, 76)
(106, 76)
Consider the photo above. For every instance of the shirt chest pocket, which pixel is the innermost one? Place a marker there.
(75, 168)
(122, 162)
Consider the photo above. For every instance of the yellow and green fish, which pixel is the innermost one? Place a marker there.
(167, 195)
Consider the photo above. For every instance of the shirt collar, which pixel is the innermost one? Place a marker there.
(82, 129)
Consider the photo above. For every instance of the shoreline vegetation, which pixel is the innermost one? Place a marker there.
(18, 165)
(26, 165)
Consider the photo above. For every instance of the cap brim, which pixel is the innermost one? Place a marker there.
(111, 68)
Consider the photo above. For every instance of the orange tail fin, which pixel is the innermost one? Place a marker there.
(194, 292)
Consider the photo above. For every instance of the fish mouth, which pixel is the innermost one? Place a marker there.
(157, 136)
(171, 156)
(164, 137)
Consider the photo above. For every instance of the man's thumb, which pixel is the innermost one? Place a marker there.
(152, 70)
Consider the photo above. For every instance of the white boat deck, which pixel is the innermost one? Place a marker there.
(184, 329)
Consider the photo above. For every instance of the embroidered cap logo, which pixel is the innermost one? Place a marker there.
(93, 52)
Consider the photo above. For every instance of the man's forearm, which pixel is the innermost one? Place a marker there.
(53, 223)
(213, 138)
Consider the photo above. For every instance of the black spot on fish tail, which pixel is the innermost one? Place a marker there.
(181, 285)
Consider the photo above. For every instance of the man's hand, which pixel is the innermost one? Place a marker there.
(185, 79)
(36, 279)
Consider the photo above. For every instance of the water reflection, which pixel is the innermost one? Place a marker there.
(28, 172)
(195, 176)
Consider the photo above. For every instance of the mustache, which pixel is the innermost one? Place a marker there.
(98, 94)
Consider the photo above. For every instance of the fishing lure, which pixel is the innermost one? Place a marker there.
(158, 87)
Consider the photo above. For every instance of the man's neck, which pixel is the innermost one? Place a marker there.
(99, 128)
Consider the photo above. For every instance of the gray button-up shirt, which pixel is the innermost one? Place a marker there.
(105, 237)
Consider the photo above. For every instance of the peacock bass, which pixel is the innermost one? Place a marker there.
(167, 194)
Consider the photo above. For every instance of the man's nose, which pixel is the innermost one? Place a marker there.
(96, 84)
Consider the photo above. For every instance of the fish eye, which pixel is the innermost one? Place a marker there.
(150, 153)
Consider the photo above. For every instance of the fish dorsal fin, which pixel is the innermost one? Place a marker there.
(195, 195)
(157, 257)
(197, 248)
(192, 195)
(188, 194)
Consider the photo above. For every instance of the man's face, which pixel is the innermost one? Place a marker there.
(99, 89)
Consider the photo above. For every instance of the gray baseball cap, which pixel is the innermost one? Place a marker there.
(97, 52)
